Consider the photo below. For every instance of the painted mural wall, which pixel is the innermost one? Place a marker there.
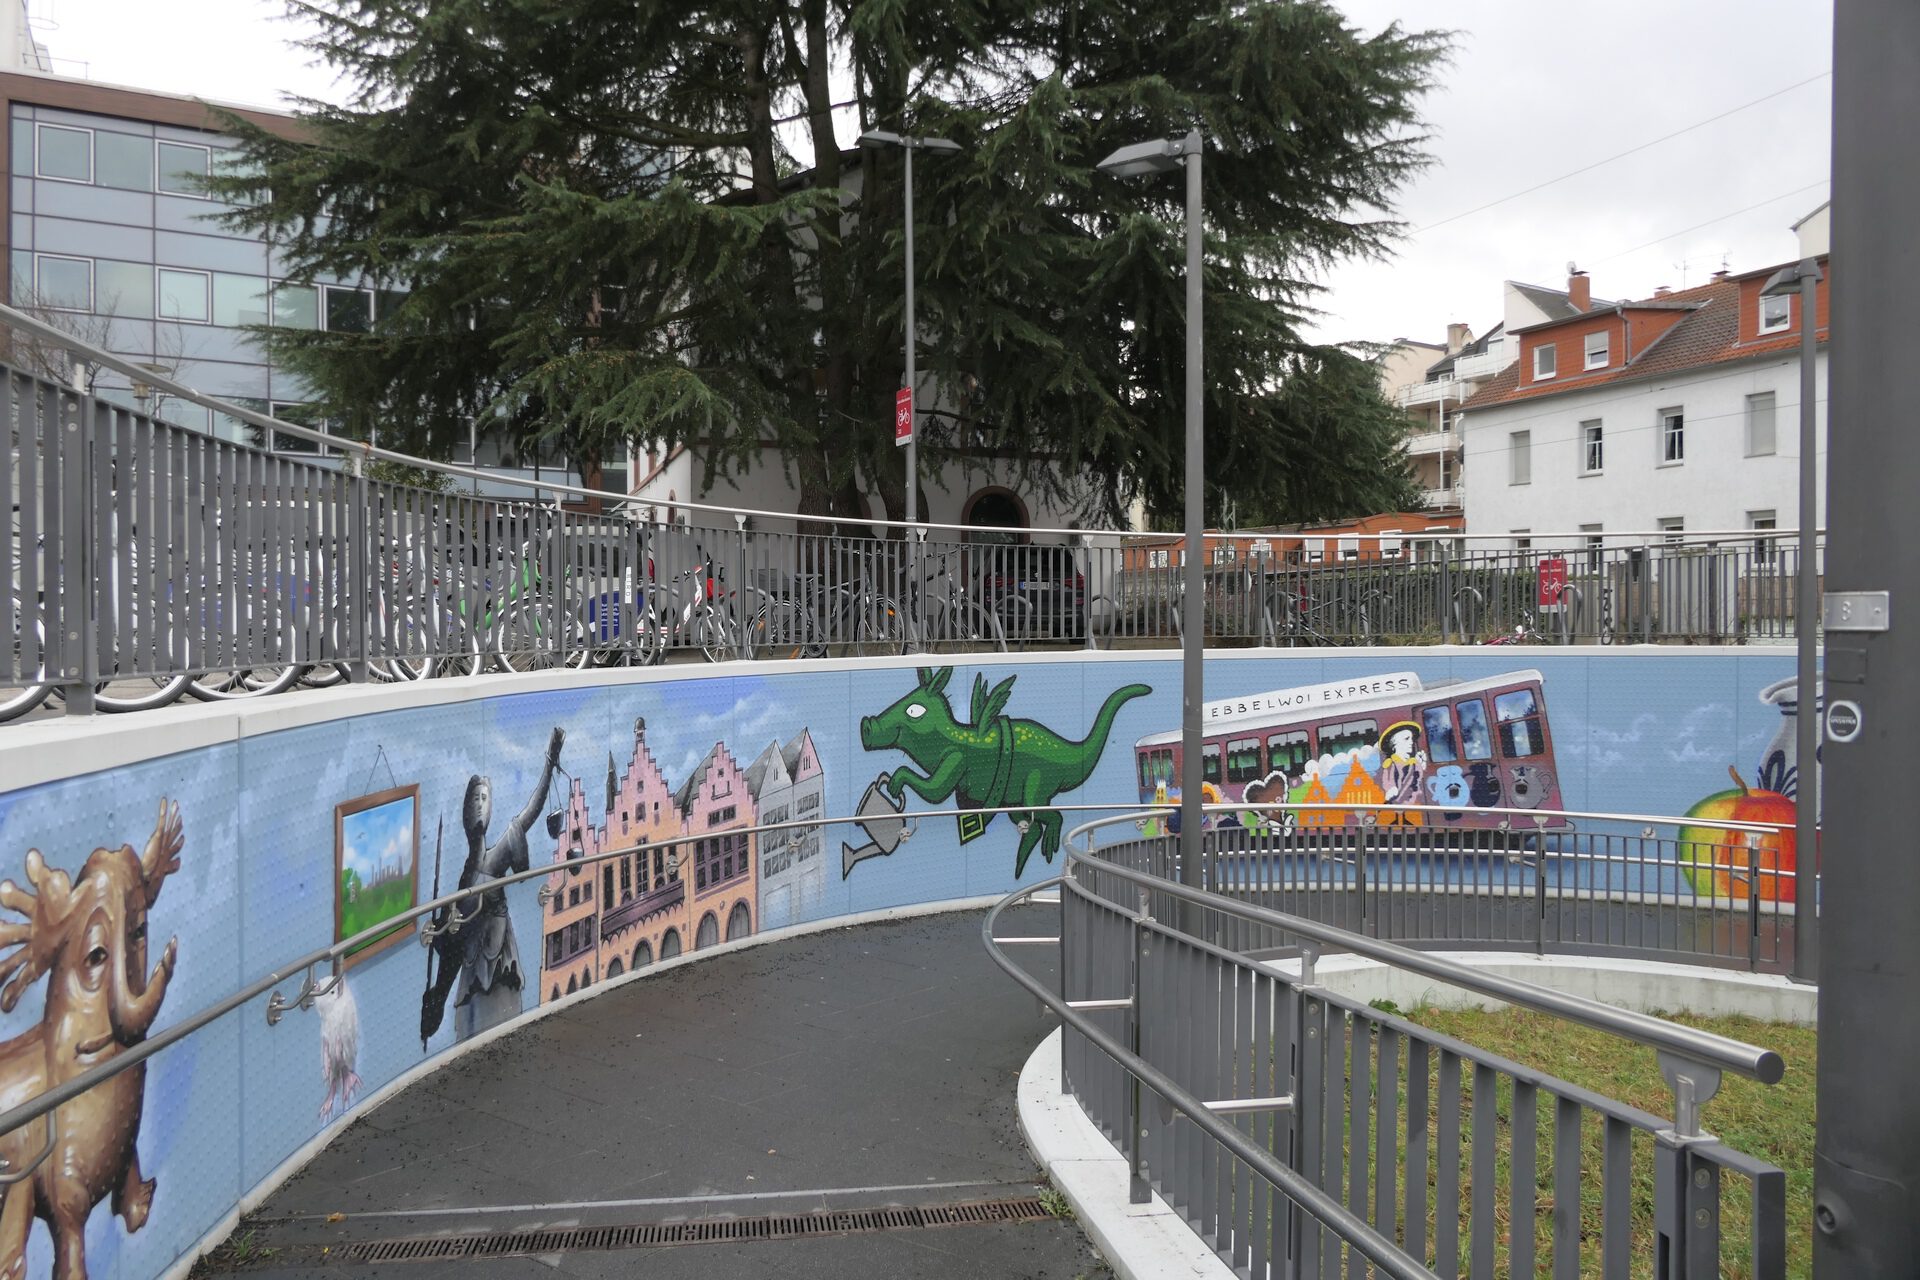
(136, 897)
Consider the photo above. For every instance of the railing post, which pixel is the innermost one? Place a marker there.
(1445, 580)
(1137, 1190)
(742, 643)
(75, 570)
(1540, 901)
(354, 578)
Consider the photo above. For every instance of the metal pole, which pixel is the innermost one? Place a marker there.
(913, 420)
(1806, 828)
(1866, 1167)
(1192, 644)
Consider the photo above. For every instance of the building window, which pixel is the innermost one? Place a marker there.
(1673, 436)
(295, 306)
(1520, 457)
(1521, 542)
(1447, 466)
(1776, 313)
(122, 160)
(1762, 547)
(1596, 345)
(65, 284)
(183, 169)
(183, 295)
(239, 300)
(348, 310)
(66, 154)
(1593, 456)
(302, 415)
(1543, 361)
(1673, 529)
(1596, 546)
(1156, 559)
(1760, 425)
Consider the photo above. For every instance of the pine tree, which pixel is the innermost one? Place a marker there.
(598, 222)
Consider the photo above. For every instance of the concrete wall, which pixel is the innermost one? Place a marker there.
(305, 815)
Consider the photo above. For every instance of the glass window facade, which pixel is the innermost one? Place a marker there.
(183, 295)
(124, 161)
(296, 306)
(65, 284)
(65, 153)
(183, 169)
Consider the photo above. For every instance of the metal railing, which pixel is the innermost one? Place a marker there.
(1228, 1080)
(148, 561)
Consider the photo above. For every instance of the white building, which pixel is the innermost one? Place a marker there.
(1675, 413)
(788, 785)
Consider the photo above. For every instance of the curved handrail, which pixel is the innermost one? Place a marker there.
(1356, 1231)
(1722, 1052)
(334, 955)
(1316, 806)
(363, 450)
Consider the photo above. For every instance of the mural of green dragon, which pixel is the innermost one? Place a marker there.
(992, 761)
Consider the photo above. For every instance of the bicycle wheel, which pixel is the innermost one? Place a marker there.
(246, 682)
(137, 695)
(880, 627)
(25, 689)
(717, 634)
(326, 675)
(782, 629)
(965, 627)
(531, 637)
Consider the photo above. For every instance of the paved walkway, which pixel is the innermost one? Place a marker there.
(860, 1068)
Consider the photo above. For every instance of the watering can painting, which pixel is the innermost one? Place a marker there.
(880, 817)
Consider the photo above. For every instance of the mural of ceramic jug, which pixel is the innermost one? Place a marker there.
(881, 820)
(1780, 763)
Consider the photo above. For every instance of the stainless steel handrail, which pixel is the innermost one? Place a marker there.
(333, 955)
(363, 450)
(1719, 1052)
(1356, 1231)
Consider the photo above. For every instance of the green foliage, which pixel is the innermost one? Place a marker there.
(597, 222)
(415, 477)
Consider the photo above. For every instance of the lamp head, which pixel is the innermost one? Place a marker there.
(1157, 156)
(1787, 279)
(881, 138)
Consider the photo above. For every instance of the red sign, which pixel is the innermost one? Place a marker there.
(903, 415)
(1552, 584)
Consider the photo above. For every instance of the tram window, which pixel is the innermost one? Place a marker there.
(1288, 753)
(1519, 716)
(1476, 743)
(1243, 760)
(1210, 763)
(1155, 767)
(1441, 748)
(1335, 738)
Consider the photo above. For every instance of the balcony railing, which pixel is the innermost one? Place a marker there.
(1426, 442)
(1474, 368)
(1429, 392)
(1448, 497)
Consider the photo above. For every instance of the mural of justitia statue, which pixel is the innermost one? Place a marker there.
(482, 952)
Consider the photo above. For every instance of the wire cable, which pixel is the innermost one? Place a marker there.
(1621, 155)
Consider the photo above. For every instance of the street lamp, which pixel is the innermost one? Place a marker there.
(1161, 156)
(1801, 278)
(909, 145)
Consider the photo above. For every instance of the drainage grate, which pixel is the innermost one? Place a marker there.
(790, 1226)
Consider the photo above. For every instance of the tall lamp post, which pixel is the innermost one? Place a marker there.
(1801, 278)
(1162, 156)
(909, 145)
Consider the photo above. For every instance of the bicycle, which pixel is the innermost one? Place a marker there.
(958, 623)
(810, 614)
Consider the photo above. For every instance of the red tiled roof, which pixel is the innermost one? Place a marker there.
(1710, 335)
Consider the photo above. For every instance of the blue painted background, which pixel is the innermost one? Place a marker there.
(1651, 733)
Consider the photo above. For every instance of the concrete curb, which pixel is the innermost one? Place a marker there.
(1144, 1242)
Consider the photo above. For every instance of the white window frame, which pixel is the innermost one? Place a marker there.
(160, 173)
(1666, 424)
(1596, 545)
(1391, 550)
(1597, 359)
(1157, 559)
(1759, 522)
(92, 280)
(206, 286)
(1773, 446)
(41, 126)
(1521, 540)
(328, 289)
(1519, 447)
(1553, 358)
(1590, 445)
(1673, 529)
(1786, 317)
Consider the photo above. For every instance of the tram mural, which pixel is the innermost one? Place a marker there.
(1367, 745)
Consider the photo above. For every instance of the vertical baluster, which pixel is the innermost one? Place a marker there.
(1566, 1189)
(1419, 1109)
(1486, 1139)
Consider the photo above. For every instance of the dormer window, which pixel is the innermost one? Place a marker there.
(1776, 313)
(1543, 361)
(1596, 344)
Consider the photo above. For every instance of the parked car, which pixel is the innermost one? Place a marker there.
(1039, 592)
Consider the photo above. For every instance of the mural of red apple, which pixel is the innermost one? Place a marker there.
(1702, 844)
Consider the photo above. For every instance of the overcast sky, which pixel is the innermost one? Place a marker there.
(1534, 91)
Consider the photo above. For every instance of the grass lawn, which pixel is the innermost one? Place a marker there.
(1773, 1123)
(372, 904)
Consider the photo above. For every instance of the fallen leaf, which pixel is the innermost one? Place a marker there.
(336, 1217)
